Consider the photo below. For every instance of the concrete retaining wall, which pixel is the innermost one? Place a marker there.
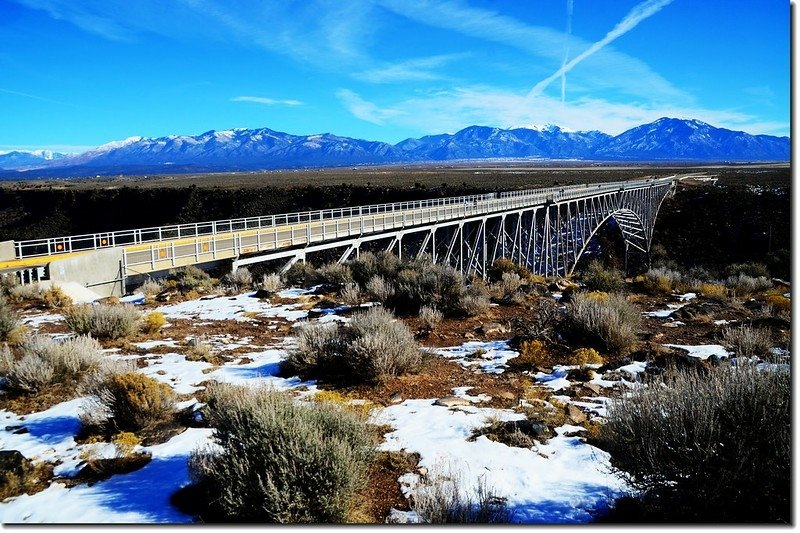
(99, 270)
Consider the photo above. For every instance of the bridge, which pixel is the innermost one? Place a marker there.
(546, 230)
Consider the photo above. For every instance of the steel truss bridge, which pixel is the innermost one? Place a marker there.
(546, 230)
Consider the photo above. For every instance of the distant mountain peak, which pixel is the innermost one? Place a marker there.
(259, 149)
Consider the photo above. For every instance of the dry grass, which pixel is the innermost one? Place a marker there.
(153, 322)
(56, 298)
(716, 291)
(129, 402)
(748, 341)
(586, 356)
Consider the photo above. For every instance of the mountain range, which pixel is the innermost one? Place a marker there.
(666, 139)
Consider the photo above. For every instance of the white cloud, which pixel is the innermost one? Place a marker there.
(366, 111)
(418, 69)
(452, 110)
(265, 101)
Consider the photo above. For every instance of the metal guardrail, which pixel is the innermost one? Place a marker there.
(477, 204)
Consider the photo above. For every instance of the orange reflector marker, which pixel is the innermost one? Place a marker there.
(205, 247)
(162, 253)
(104, 242)
(59, 247)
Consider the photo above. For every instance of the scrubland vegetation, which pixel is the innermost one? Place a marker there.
(696, 439)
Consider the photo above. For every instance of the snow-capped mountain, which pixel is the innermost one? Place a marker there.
(256, 149)
(671, 138)
(26, 159)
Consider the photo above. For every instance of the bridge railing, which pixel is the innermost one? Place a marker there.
(478, 203)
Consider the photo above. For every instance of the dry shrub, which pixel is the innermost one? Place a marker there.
(662, 280)
(747, 341)
(199, 351)
(532, 353)
(717, 291)
(507, 266)
(441, 498)
(151, 288)
(430, 317)
(22, 293)
(103, 321)
(369, 348)
(609, 321)
(281, 461)
(271, 283)
(8, 319)
(707, 447)
(379, 289)
(239, 280)
(744, 285)
(56, 298)
(363, 408)
(598, 277)
(508, 286)
(586, 356)
(336, 274)
(753, 270)
(191, 278)
(368, 265)
(153, 322)
(779, 302)
(45, 361)
(300, 274)
(350, 294)
(132, 401)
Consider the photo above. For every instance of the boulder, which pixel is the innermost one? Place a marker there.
(451, 401)
(14, 468)
(575, 415)
(491, 328)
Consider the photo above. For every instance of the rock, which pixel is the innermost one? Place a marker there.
(451, 401)
(506, 395)
(422, 471)
(469, 335)
(594, 387)
(491, 328)
(316, 313)
(395, 398)
(575, 415)
(14, 467)
(17, 430)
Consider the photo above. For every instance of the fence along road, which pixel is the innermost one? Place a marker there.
(156, 249)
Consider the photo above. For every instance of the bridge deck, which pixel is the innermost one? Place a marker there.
(154, 249)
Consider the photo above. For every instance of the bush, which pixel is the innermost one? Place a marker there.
(379, 289)
(350, 294)
(747, 341)
(20, 293)
(150, 288)
(662, 280)
(271, 283)
(56, 298)
(300, 274)
(506, 266)
(430, 317)
(191, 278)
(609, 321)
(716, 291)
(370, 348)
(586, 356)
(153, 322)
(103, 321)
(752, 270)
(441, 498)
(369, 265)
(508, 286)
(335, 274)
(421, 282)
(8, 319)
(131, 401)
(532, 353)
(598, 277)
(45, 361)
(473, 305)
(281, 461)
(239, 280)
(710, 447)
(743, 284)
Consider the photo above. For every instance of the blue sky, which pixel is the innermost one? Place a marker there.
(76, 74)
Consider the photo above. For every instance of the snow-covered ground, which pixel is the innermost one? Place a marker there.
(562, 481)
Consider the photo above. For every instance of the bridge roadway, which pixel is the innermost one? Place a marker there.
(148, 250)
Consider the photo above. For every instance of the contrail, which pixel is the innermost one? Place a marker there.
(637, 14)
(566, 52)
